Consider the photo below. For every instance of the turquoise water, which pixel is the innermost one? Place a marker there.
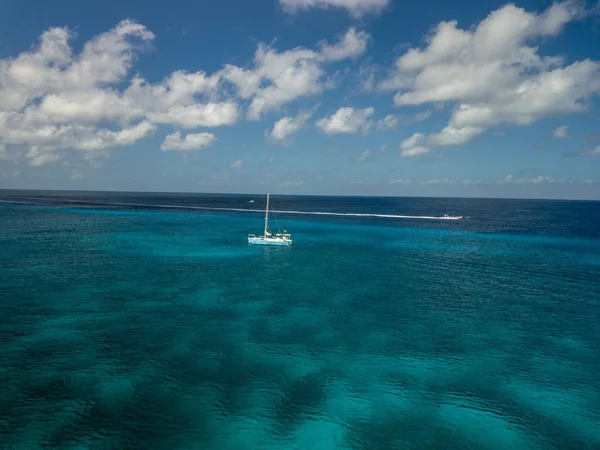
(141, 327)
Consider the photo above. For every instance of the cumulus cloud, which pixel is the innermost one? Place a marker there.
(52, 99)
(352, 44)
(197, 115)
(278, 78)
(346, 120)
(192, 141)
(392, 120)
(356, 8)
(288, 126)
(37, 158)
(388, 122)
(414, 151)
(560, 132)
(51, 138)
(493, 72)
(452, 135)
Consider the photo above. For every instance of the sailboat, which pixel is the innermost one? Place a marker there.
(268, 238)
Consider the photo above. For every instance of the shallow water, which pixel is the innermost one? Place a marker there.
(161, 328)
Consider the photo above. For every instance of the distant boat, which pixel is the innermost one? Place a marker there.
(268, 238)
(251, 201)
(447, 217)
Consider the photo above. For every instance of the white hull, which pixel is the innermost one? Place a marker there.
(261, 240)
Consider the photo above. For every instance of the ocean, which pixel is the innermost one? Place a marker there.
(145, 321)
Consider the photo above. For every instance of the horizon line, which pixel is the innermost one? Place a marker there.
(298, 195)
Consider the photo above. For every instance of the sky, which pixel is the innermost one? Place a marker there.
(333, 97)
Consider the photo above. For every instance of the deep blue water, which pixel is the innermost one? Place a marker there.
(138, 321)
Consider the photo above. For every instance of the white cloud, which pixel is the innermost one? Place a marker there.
(288, 75)
(364, 155)
(191, 141)
(38, 159)
(399, 181)
(537, 180)
(414, 151)
(392, 120)
(346, 120)
(53, 99)
(193, 116)
(420, 117)
(281, 77)
(412, 141)
(52, 67)
(286, 127)
(454, 136)
(237, 164)
(414, 146)
(493, 72)
(508, 180)
(356, 8)
(45, 141)
(560, 132)
(540, 179)
(388, 122)
(352, 44)
(439, 181)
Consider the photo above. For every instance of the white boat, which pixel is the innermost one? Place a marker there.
(268, 238)
(447, 217)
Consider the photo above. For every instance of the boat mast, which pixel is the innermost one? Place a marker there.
(267, 215)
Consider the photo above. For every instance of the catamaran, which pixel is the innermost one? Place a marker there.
(269, 238)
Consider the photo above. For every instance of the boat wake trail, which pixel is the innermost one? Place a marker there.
(303, 213)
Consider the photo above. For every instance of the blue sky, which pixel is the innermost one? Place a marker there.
(367, 97)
